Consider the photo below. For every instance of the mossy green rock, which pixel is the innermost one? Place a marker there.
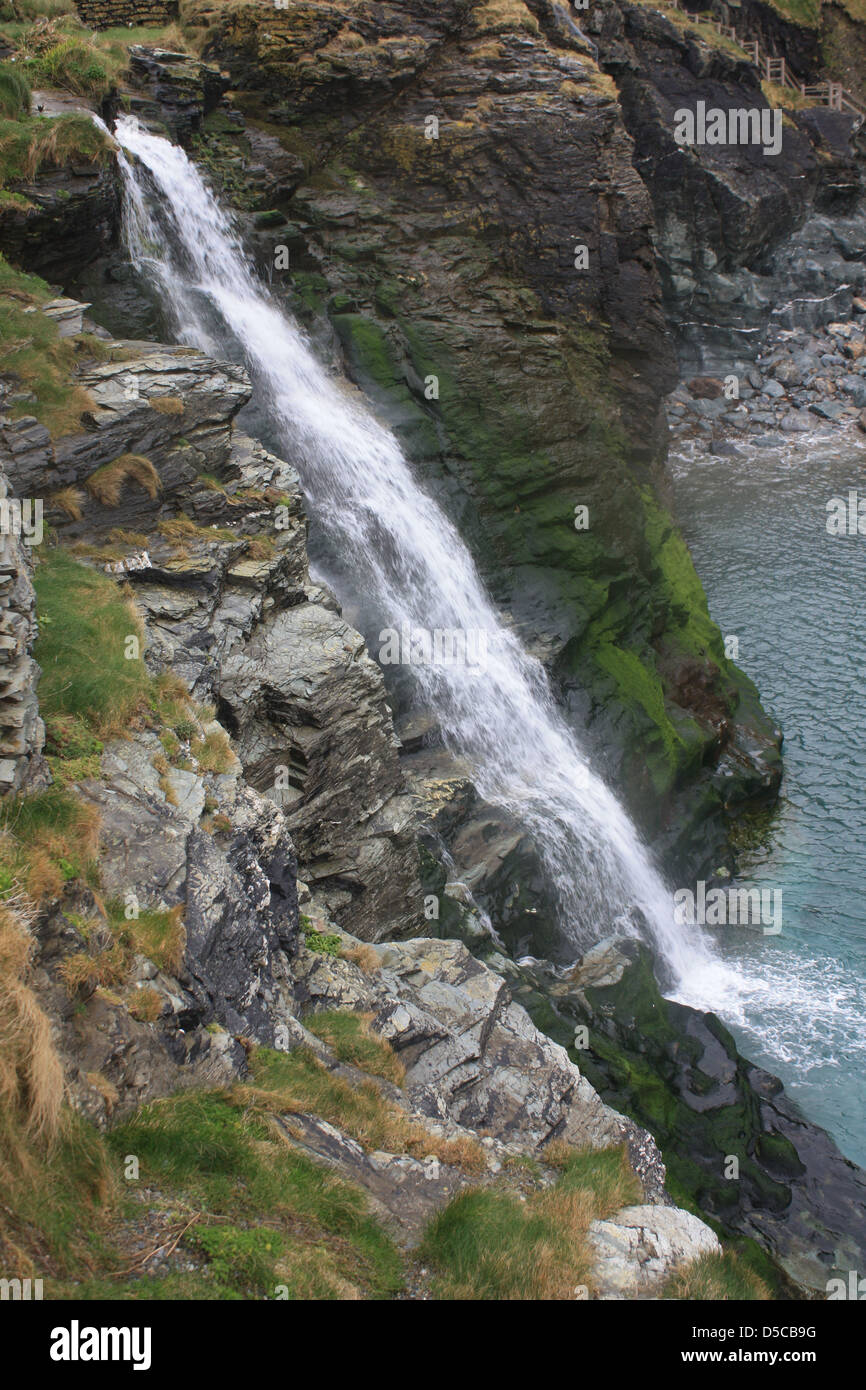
(737, 1150)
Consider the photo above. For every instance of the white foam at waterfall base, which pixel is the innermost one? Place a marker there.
(412, 565)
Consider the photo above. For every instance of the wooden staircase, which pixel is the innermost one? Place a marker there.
(774, 69)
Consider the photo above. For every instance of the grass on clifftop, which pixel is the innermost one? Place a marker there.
(30, 144)
(32, 350)
(35, 9)
(348, 1035)
(489, 1245)
(257, 1218)
(60, 53)
(804, 12)
(717, 1278)
(90, 638)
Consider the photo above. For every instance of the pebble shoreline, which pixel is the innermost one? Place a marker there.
(801, 379)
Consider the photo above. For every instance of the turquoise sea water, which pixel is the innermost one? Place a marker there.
(795, 597)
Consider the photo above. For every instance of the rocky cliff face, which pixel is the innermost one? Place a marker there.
(458, 197)
(219, 573)
(233, 611)
(725, 213)
(467, 232)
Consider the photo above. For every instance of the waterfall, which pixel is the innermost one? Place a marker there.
(497, 714)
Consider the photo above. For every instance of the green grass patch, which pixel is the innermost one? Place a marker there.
(157, 933)
(72, 749)
(33, 143)
(36, 9)
(262, 1219)
(806, 13)
(47, 840)
(55, 1205)
(348, 1036)
(72, 65)
(719, 1278)
(488, 1245)
(32, 350)
(291, 1222)
(14, 91)
(326, 943)
(85, 627)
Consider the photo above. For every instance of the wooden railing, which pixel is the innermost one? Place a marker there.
(775, 69)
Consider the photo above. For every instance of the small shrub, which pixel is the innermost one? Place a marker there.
(326, 943)
(73, 65)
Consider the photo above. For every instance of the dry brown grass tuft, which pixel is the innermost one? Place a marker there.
(84, 972)
(68, 500)
(107, 483)
(106, 1088)
(178, 529)
(214, 752)
(300, 1083)
(170, 686)
(145, 1004)
(166, 405)
(364, 957)
(261, 548)
(558, 1153)
(498, 16)
(31, 1077)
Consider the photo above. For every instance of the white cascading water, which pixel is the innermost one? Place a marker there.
(412, 563)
